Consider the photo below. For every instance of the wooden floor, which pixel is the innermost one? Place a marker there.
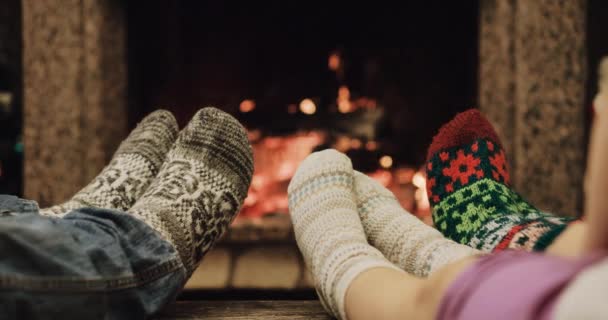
(245, 310)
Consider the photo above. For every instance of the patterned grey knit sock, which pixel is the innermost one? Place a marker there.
(402, 238)
(328, 229)
(201, 186)
(132, 168)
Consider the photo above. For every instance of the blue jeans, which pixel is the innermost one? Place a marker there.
(92, 264)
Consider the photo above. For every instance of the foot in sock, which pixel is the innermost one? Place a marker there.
(132, 168)
(201, 186)
(403, 239)
(328, 230)
(472, 201)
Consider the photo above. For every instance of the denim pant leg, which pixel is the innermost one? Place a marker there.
(92, 264)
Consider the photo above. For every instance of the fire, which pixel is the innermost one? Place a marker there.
(371, 145)
(355, 144)
(278, 157)
(247, 106)
(307, 106)
(292, 108)
(334, 62)
(276, 161)
(344, 104)
(386, 162)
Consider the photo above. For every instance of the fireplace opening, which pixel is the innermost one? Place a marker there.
(371, 80)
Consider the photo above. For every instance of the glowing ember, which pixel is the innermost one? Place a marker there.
(405, 175)
(386, 162)
(292, 108)
(307, 106)
(254, 135)
(384, 177)
(371, 145)
(277, 159)
(247, 106)
(334, 62)
(342, 143)
(355, 144)
(419, 180)
(344, 104)
(343, 93)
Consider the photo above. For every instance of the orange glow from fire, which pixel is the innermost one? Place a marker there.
(419, 180)
(342, 143)
(276, 161)
(334, 62)
(307, 106)
(355, 144)
(371, 145)
(278, 157)
(344, 104)
(405, 175)
(247, 106)
(343, 93)
(384, 177)
(292, 108)
(386, 162)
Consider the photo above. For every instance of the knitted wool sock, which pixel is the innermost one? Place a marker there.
(132, 168)
(201, 186)
(403, 239)
(468, 187)
(328, 229)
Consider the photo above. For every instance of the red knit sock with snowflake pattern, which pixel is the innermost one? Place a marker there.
(469, 189)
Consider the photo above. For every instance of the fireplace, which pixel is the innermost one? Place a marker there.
(370, 80)
(63, 74)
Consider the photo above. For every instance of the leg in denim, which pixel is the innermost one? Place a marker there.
(93, 264)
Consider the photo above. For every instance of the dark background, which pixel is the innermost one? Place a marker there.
(418, 59)
(188, 54)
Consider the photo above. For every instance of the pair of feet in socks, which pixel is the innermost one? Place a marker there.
(346, 223)
(188, 186)
(336, 211)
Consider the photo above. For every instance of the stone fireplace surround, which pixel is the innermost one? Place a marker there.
(533, 68)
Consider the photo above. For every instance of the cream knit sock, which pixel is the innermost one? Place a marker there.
(402, 238)
(328, 229)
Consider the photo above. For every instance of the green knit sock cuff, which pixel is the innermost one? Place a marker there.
(547, 239)
(460, 215)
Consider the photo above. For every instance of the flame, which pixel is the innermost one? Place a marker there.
(277, 159)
